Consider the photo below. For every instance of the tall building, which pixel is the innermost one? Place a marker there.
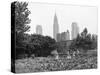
(58, 37)
(64, 36)
(39, 29)
(75, 30)
(67, 35)
(55, 27)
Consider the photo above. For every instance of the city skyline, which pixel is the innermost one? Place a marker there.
(43, 14)
(61, 36)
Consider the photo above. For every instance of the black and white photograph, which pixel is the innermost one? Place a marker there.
(49, 37)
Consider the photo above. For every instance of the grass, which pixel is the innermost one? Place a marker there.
(41, 64)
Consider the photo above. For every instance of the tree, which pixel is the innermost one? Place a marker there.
(84, 33)
(84, 41)
(94, 41)
(40, 45)
(19, 15)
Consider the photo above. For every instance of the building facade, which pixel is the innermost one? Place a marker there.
(67, 35)
(39, 29)
(75, 30)
(58, 37)
(64, 36)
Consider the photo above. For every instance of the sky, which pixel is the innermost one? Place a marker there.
(43, 14)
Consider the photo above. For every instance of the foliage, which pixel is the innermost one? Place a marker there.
(41, 64)
(84, 41)
(21, 20)
(20, 15)
(63, 46)
(94, 40)
(40, 45)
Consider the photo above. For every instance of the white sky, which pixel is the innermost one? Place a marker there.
(43, 14)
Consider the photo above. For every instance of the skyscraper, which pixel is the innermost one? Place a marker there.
(58, 37)
(75, 30)
(55, 27)
(64, 36)
(39, 29)
(67, 35)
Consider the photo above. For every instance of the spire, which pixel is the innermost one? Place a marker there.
(55, 13)
(55, 16)
(55, 27)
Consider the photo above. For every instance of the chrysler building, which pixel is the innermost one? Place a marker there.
(55, 27)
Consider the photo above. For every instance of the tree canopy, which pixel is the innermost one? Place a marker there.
(84, 41)
(41, 45)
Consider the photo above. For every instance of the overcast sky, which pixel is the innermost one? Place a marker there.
(43, 14)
